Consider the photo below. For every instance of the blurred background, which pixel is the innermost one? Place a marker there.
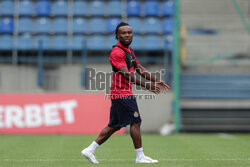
(204, 47)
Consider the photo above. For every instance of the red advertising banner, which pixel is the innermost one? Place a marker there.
(53, 113)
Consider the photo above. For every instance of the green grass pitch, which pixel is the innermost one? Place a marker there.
(182, 150)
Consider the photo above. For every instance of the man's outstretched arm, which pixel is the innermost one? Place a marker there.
(145, 74)
(131, 78)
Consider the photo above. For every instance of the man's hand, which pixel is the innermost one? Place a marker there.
(157, 87)
(152, 87)
(163, 86)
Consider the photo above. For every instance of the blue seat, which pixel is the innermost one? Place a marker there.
(97, 8)
(43, 25)
(114, 8)
(26, 8)
(43, 8)
(152, 25)
(25, 25)
(6, 25)
(169, 42)
(138, 42)
(77, 42)
(111, 41)
(46, 42)
(6, 42)
(79, 25)
(97, 25)
(60, 25)
(168, 8)
(135, 23)
(60, 42)
(7, 7)
(80, 8)
(112, 23)
(60, 7)
(153, 42)
(168, 25)
(133, 8)
(96, 42)
(24, 42)
(151, 8)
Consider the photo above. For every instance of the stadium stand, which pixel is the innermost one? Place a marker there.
(6, 25)
(60, 25)
(78, 42)
(26, 8)
(25, 42)
(80, 8)
(43, 25)
(168, 25)
(97, 25)
(114, 8)
(96, 42)
(6, 42)
(168, 8)
(151, 8)
(60, 8)
(133, 8)
(60, 43)
(7, 7)
(25, 25)
(79, 25)
(45, 39)
(136, 24)
(112, 23)
(43, 8)
(97, 8)
(152, 25)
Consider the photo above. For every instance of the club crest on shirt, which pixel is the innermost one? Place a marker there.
(136, 114)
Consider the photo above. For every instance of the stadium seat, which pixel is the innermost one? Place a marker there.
(169, 42)
(60, 7)
(111, 41)
(24, 42)
(133, 8)
(138, 42)
(7, 7)
(96, 42)
(112, 23)
(135, 23)
(151, 8)
(97, 25)
(60, 25)
(152, 25)
(25, 8)
(153, 42)
(6, 42)
(60, 42)
(6, 25)
(168, 25)
(77, 42)
(168, 8)
(80, 8)
(79, 25)
(46, 42)
(43, 25)
(114, 8)
(25, 24)
(43, 8)
(97, 8)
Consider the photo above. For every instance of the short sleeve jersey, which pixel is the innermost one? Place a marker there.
(120, 86)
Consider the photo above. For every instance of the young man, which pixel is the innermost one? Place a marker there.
(124, 110)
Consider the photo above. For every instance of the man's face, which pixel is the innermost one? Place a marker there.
(125, 35)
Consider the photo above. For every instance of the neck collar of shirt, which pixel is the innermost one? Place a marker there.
(121, 45)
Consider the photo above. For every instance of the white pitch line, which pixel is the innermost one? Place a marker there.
(113, 160)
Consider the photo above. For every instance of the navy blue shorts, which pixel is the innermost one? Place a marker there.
(124, 112)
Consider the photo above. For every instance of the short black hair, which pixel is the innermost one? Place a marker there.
(118, 26)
